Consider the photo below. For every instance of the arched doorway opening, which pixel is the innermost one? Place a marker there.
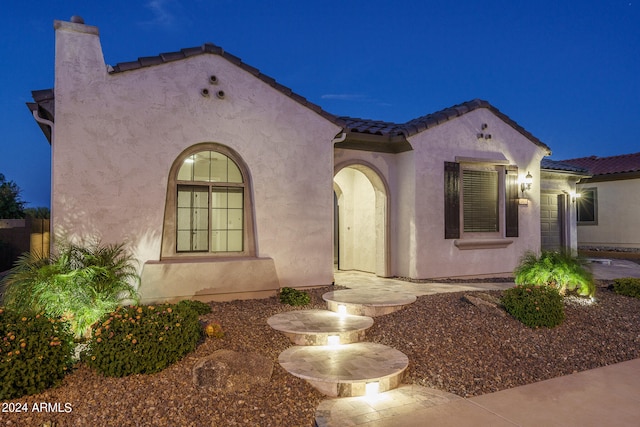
(361, 226)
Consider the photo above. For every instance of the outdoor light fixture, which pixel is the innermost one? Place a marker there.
(342, 309)
(526, 184)
(574, 196)
(333, 340)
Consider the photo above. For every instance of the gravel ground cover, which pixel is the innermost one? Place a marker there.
(451, 345)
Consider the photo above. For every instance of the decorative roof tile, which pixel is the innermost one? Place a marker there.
(624, 163)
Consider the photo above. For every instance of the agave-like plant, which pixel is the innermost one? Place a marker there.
(558, 269)
(78, 283)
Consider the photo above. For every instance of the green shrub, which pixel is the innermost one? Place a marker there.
(80, 284)
(535, 306)
(199, 307)
(629, 286)
(559, 270)
(142, 339)
(294, 297)
(35, 353)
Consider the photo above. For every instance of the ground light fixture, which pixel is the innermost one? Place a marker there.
(371, 389)
(333, 340)
(342, 309)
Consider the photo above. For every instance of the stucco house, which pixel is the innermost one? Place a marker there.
(608, 213)
(226, 184)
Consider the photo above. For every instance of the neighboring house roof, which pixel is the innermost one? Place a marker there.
(364, 134)
(622, 164)
(555, 165)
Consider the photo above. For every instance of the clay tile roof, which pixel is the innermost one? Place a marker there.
(624, 163)
(372, 127)
(556, 165)
(210, 48)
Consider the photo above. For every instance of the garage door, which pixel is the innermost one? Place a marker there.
(551, 221)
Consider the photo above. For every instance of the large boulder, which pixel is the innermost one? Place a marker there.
(485, 302)
(232, 371)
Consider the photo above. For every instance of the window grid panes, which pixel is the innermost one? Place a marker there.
(210, 208)
(480, 201)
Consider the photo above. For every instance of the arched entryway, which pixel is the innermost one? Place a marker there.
(361, 231)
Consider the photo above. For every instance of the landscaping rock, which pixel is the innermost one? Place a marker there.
(228, 370)
(485, 302)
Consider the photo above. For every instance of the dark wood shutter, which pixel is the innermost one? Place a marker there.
(512, 201)
(451, 200)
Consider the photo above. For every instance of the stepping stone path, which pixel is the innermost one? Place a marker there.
(331, 354)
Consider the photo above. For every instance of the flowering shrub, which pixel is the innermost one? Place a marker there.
(534, 305)
(629, 286)
(141, 339)
(35, 353)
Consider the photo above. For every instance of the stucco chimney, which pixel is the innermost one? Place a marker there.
(79, 60)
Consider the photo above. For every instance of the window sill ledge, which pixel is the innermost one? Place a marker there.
(482, 243)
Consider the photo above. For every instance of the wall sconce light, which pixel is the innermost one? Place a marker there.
(525, 185)
(574, 196)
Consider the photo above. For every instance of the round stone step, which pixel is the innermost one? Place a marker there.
(367, 302)
(320, 327)
(347, 370)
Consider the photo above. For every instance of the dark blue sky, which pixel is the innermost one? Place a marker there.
(566, 70)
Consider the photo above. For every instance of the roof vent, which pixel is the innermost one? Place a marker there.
(77, 19)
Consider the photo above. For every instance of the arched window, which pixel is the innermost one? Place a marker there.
(208, 210)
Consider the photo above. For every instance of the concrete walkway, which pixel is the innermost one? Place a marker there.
(606, 396)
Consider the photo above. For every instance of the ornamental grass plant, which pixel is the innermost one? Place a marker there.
(557, 269)
(79, 284)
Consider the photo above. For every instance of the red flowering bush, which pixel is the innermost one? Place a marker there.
(35, 353)
(534, 305)
(141, 339)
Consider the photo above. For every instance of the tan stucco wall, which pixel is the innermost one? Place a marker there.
(417, 247)
(116, 137)
(435, 256)
(618, 215)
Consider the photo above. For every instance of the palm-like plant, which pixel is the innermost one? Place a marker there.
(558, 269)
(79, 284)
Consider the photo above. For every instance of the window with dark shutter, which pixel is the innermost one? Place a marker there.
(512, 201)
(451, 200)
